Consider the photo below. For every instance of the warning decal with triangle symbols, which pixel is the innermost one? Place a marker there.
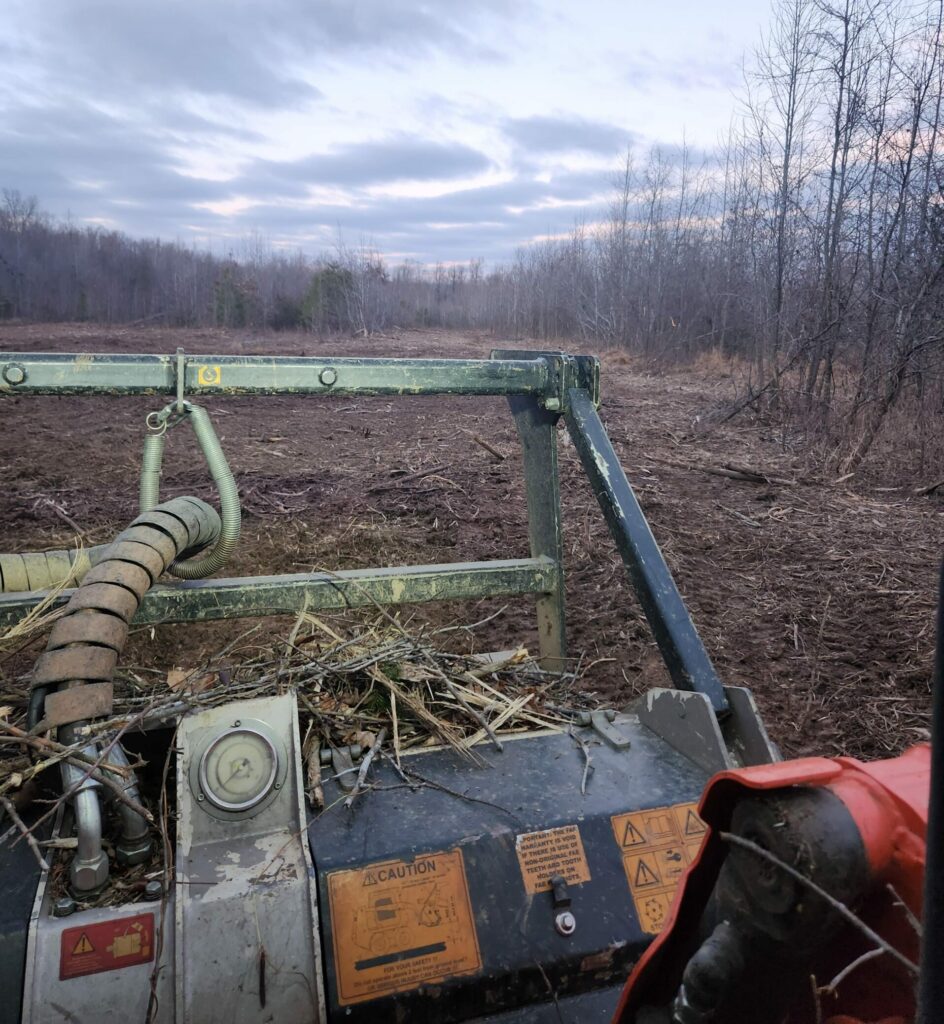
(657, 846)
(83, 945)
(632, 836)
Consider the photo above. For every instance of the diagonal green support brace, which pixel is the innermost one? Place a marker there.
(682, 650)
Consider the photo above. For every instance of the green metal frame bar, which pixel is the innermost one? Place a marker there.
(50, 373)
(541, 388)
(537, 431)
(204, 600)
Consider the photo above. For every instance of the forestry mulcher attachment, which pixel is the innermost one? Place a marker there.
(505, 890)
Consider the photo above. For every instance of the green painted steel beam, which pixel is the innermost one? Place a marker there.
(50, 373)
(203, 600)
(682, 650)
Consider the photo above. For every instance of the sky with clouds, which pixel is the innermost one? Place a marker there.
(430, 129)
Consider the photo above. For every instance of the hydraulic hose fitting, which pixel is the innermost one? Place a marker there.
(134, 846)
(88, 871)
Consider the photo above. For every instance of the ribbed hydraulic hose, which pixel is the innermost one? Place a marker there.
(84, 646)
(195, 568)
(41, 570)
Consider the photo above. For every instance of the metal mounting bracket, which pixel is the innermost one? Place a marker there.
(606, 724)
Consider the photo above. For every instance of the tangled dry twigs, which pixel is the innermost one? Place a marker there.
(356, 684)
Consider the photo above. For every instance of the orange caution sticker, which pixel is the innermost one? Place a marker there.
(401, 924)
(555, 851)
(657, 846)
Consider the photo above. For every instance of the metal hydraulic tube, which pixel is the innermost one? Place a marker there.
(134, 844)
(89, 868)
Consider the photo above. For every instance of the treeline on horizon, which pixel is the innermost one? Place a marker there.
(809, 246)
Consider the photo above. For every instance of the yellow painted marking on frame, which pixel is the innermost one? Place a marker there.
(207, 376)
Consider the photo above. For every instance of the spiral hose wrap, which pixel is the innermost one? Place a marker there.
(41, 570)
(84, 644)
(83, 648)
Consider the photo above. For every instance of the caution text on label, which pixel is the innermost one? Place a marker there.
(400, 924)
(556, 851)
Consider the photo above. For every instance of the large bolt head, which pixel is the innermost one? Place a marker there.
(63, 907)
(88, 875)
(565, 923)
(134, 852)
(14, 373)
(153, 890)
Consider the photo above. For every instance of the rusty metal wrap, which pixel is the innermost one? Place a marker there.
(109, 630)
(93, 700)
(44, 569)
(163, 544)
(104, 597)
(82, 663)
(128, 550)
(125, 574)
(85, 642)
(175, 528)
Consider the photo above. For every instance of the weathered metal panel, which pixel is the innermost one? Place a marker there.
(241, 597)
(489, 814)
(107, 997)
(247, 944)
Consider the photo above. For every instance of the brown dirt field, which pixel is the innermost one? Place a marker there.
(818, 597)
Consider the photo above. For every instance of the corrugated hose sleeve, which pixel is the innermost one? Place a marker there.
(85, 642)
(41, 570)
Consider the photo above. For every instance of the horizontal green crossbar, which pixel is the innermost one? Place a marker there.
(202, 600)
(65, 374)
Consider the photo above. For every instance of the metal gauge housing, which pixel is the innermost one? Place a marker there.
(239, 770)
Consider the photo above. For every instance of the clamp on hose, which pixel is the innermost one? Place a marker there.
(158, 423)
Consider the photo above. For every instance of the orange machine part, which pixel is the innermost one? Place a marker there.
(888, 801)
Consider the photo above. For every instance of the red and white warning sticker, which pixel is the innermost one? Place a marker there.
(106, 946)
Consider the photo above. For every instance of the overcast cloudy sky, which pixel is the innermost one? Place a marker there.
(437, 130)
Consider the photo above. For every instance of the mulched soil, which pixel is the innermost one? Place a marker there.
(817, 596)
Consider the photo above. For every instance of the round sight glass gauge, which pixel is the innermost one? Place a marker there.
(239, 769)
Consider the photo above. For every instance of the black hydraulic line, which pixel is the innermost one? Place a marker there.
(682, 650)
(931, 985)
(34, 709)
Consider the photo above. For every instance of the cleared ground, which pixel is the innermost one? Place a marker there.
(818, 597)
